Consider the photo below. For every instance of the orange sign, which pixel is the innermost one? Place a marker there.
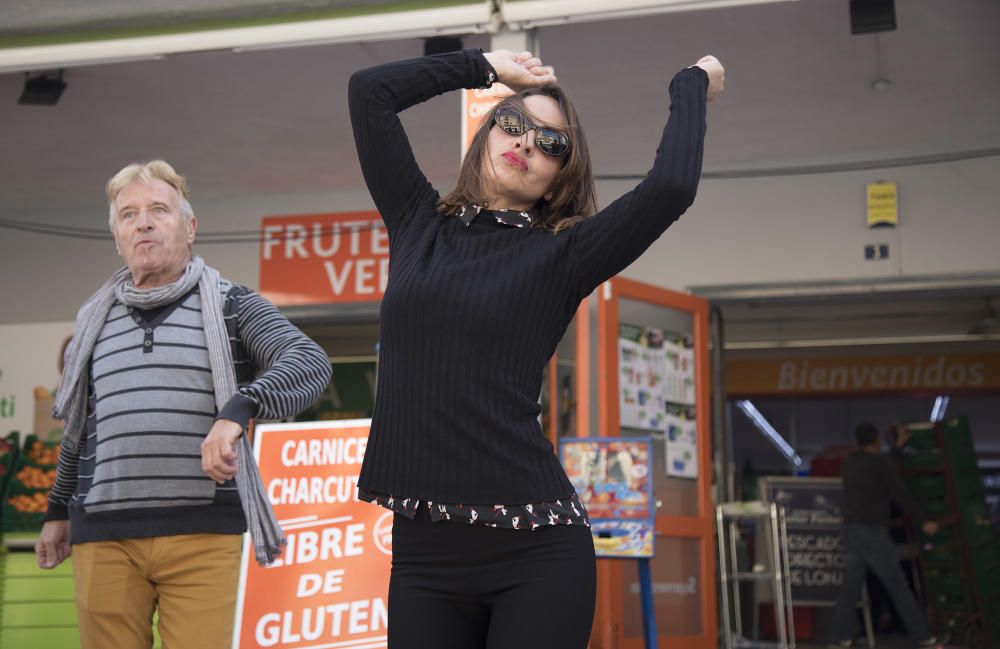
(324, 258)
(475, 104)
(329, 587)
(941, 373)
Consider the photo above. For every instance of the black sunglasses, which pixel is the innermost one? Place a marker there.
(548, 140)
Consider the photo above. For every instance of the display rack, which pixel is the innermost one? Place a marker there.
(961, 563)
(770, 519)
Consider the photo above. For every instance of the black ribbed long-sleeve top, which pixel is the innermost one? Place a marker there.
(471, 315)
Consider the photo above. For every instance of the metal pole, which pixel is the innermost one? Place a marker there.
(648, 611)
(779, 591)
(723, 577)
(787, 577)
(733, 529)
(720, 433)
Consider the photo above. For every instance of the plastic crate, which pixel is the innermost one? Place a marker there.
(936, 506)
(943, 582)
(28, 453)
(8, 459)
(928, 487)
(14, 520)
(922, 437)
(922, 458)
(940, 552)
(952, 603)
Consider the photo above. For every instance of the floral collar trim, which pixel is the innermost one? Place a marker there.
(507, 217)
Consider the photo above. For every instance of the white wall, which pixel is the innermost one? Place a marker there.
(28, 358)
(739, 231)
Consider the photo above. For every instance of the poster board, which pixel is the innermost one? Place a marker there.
(813, 520)
(329, 587)
(613, 478)
(657, 392)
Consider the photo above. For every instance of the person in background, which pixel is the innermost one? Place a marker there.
(167, 365)
(871, 484)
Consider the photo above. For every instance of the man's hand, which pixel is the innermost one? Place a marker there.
(52, 547)
(218, 451)
(716, 75)
(930, 528)
(520, 70)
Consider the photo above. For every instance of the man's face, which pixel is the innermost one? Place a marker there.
(153, 237)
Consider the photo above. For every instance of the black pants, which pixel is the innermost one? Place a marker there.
(461, 586)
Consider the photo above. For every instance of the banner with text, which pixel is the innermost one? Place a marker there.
(813, 519)
(946, 372)
(329, 587)
(324, 258)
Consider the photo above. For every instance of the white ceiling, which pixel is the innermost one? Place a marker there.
(30, 17)
(274, 122)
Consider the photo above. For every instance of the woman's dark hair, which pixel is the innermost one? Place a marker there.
(573, 194)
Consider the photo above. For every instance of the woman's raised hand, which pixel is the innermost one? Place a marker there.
(520, 70)
(716, 75)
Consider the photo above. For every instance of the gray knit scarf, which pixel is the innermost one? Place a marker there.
(71, 398)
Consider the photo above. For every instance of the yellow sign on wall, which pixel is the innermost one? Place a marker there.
(883, 206)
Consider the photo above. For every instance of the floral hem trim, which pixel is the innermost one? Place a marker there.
(566, 511)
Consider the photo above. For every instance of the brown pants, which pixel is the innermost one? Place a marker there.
(191, 580)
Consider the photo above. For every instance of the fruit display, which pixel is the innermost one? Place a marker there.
(8, 457)
(30, 477)
(41, 453)
(34, 503)
(34, 477)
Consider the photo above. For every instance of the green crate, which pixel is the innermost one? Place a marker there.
(974, 514)
(935, 506)
(940, 582)
(922, 458)
(940, 552)
(923, 436)
(13, 520)
(985, 561)
(8, 458)
(952, 603)
(945, 534)
(928, 486)
(29, 442)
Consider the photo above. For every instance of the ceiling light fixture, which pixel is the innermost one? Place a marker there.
(42, 89)
(881, 81)
(526, 14)
(940, 406)
(765, 427)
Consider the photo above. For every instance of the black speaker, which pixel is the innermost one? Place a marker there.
(869, 16)
(442, 45)
(42, 90)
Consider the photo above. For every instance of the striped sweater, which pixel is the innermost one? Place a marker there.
(151, 402)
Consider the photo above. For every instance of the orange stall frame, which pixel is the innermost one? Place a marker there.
(609, 626)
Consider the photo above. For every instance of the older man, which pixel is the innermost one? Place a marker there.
(168, 364)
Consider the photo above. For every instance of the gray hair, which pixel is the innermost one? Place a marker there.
(146, 173)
